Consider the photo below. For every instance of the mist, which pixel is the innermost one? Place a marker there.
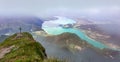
(44, 8)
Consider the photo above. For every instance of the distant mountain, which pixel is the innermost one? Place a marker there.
(73, 43)
(67, 39)
(27, 23)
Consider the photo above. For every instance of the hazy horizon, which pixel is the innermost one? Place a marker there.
(58, 7)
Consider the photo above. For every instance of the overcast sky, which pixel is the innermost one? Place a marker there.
(42, 7)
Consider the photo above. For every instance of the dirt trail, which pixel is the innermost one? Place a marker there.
(4, 51)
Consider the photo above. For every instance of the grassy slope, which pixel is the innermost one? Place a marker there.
(26, 50)
(67, 39)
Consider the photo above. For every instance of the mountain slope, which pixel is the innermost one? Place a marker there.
(72, 42)
(69, 40)
(22, 48)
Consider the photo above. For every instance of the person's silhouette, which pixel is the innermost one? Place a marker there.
(20, 29)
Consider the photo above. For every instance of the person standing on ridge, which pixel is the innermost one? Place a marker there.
(20, 29)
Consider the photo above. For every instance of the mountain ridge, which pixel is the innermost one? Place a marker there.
(21, 47)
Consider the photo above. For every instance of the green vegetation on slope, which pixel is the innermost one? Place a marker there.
(22, 48)
(67, 40)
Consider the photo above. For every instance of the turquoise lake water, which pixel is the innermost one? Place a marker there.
(60, 30)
